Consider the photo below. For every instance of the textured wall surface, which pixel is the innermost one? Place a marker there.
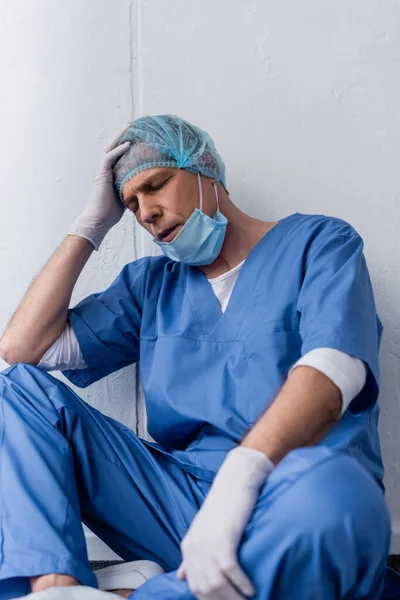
(66, 91)
(301, 99)
(66, 72)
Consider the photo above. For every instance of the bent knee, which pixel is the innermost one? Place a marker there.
(334, 496)
(26, 383)
(328, 520)
(18, 368)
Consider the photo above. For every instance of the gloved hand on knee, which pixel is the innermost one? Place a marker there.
(210, 548)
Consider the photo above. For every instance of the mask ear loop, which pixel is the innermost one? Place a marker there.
(200, 192)
(216, 194)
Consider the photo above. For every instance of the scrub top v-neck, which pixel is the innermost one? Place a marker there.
(213, 323)
(208, 376)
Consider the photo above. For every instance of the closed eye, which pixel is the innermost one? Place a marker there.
(153, 188)
(133, 203)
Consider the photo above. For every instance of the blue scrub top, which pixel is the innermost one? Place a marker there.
(208, 376)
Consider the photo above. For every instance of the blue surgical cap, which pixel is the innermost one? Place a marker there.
(167, 141)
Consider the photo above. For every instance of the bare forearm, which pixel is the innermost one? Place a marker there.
(41, 316)
(307, 406)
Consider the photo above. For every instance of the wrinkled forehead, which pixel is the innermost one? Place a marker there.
(140, 181)
(139, 158)
(166, 141)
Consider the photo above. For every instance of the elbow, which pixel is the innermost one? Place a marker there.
(12, 355)
(4, 352)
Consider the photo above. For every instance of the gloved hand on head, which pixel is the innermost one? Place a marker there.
(147, 142)
(103, 209)
(167, 141)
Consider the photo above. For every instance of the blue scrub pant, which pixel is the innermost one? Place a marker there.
(320, 529)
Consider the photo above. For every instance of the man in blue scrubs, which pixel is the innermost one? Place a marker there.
(258, 345)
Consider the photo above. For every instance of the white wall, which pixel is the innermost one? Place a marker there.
(67, 90)
(301, 99)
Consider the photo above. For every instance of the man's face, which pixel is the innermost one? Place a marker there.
(162, 198)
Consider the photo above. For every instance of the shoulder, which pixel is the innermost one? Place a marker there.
(316, 224)
(326, 237)
(321, 226)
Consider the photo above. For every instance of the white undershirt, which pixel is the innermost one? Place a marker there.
(347, 372)
(223, 285)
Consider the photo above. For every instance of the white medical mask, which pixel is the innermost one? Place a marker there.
(201, 238)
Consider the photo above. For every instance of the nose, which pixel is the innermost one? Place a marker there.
(150, 213)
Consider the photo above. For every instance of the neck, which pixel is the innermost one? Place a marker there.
(242, 234)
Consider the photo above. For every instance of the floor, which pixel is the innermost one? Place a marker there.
(393, 561)
(99, 564)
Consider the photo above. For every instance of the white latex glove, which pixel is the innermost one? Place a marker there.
(104, 209)
(210, 548)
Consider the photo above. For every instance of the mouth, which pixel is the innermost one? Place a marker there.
(168, 234)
